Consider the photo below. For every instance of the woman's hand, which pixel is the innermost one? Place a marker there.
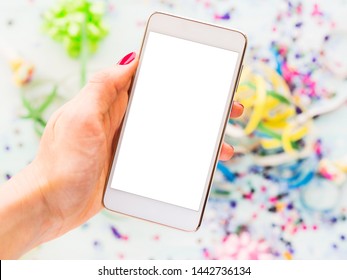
(77, 146)
(65, 182)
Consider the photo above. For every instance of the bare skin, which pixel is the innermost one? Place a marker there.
(63, 186)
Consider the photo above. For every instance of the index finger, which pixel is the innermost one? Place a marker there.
(236, 110)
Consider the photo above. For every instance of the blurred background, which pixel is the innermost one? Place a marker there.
(283, 195)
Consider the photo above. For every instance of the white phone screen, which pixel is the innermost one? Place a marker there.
(174, 119)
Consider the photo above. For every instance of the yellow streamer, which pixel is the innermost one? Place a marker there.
(259, 105)
(276, 115)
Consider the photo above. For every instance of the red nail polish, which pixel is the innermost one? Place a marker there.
(127, 59)
(239, 104)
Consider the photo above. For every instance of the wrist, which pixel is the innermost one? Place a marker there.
(25, 217)
(49, 224)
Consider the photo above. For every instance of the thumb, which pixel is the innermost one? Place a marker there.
(104, 86)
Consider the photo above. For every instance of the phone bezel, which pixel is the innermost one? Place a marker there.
(150, 209)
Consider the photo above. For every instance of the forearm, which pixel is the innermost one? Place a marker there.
(24, 219)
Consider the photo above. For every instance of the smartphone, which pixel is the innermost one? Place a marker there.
(171, 136)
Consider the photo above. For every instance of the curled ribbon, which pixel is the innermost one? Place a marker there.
(271, 111)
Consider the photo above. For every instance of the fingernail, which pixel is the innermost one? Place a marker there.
(127, 59)
(238, 103)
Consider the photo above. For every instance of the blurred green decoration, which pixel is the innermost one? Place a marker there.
(35, 112)
(37, 95)
(79, 26)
